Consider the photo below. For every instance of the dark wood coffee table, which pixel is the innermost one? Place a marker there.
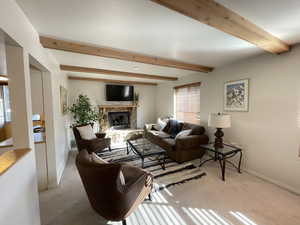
(222, 154)
(144, 148)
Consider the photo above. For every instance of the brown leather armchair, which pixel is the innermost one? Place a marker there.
(95, 145)
(108, 196)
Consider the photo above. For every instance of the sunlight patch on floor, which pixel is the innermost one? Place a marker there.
(242, 218)
(210, 217)
(154, 214)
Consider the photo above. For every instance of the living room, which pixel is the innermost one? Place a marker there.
(153, 112)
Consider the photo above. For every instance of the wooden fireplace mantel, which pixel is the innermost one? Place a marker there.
(116, 106)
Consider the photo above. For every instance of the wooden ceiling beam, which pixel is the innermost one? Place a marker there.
(111, 81)
(216, 15)
(119, 54)
(114, 72)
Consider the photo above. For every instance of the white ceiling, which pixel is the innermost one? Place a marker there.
(146, 27)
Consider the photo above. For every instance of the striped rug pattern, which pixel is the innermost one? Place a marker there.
(173, 174)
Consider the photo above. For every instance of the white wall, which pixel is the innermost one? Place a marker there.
(270, 131)
(61, 124)
(19, 199)
(22, 31)
(19, 196)
(96, 92)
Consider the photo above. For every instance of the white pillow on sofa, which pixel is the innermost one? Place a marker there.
(162, 123)
(86, 132)
(183, 133)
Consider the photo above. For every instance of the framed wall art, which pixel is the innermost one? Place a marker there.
(63, 100)
(236, 96)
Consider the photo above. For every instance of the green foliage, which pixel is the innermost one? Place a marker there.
(83, 112)
(136, 98)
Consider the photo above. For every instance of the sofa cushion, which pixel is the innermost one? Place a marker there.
(160, 134)
(197, 130)
(167, 144)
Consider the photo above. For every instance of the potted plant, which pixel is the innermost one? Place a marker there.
(136, 98)
(83, 112)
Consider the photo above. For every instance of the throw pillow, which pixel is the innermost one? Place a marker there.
(156, 127)
(162, 123)
(183, 133)
(174, 128)
(86, 132)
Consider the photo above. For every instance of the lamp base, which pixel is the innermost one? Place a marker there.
(219, 140)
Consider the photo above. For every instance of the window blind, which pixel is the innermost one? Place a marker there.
(187, 102)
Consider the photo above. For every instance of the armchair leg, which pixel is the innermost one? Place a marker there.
(124, 222)
(109, 148)
(150, 197)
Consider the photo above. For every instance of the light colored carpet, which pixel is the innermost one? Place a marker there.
(242, 200)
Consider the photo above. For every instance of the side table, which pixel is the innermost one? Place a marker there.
(222, 154)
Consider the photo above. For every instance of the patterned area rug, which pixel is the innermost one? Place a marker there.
(173, 174)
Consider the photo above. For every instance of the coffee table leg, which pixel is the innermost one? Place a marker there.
(127, 148)
(143, 162)
(164, 163)
(150, 197)
(223, 166)
(241, 155)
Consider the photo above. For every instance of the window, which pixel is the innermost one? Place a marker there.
(5, 110)
(187, 102)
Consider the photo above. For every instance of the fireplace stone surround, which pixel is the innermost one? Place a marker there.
(105, 109)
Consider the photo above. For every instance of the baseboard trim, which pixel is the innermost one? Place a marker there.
(63, 166)
(275, 182)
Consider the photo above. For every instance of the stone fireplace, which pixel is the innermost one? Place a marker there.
(118, 117)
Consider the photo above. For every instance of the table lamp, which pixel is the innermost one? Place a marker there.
(219, 121)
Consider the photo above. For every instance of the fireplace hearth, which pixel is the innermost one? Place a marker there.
(119, 120)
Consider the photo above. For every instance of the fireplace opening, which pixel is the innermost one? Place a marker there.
(119, 120)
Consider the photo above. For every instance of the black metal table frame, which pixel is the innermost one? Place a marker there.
(222, 158)
(131, 147)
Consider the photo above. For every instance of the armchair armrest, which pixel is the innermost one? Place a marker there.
(132, 172)
(191, 141)
(98, 144)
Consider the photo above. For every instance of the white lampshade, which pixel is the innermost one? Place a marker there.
(219, 120)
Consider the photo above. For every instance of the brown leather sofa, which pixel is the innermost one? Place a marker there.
(110, 197)
(180, 149)
(95, 145)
